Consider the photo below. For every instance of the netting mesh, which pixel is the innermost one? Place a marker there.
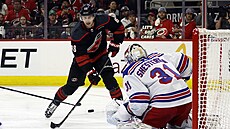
(214, 79)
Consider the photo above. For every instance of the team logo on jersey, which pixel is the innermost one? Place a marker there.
(74, 79)
(96, 43)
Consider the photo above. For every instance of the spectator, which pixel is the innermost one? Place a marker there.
(131, 30)
(100, 11)
(102, 3)
(210, 21)
(77, 17)
(2, 22)
(3, 26)
(120, 3)
(147, 26)
(66, 14)
(3, 8)
(77, 4)
(22, 22)
(124, 16)
(54, 26)
(17, 12)
(94, 4)
(29, 4)
(22, 30)
(54, 4)
(124, 11)
(224, 21)
(39, 16)
(9, 4)
(151, 18)
(113, 8)
(65, 4)
(190, 24)
(164, 27)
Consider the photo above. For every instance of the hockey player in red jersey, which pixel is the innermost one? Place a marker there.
(90, 51)
(156, 90)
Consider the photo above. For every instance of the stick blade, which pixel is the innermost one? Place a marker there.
(53, 125)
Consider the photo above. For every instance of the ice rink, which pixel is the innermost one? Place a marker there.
(19, 111)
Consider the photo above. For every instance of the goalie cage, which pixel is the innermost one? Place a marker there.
(211, 79)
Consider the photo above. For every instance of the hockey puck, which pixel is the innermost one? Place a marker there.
(79, 104)
(0, 123)
(90, 110)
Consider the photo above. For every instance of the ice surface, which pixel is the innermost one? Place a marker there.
(19, 111)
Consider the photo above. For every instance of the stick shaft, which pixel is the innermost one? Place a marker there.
(34, 95)
(75, 104)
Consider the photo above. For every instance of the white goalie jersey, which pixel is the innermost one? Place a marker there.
(157, 81)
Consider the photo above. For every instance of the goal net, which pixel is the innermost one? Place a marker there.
(211, 79)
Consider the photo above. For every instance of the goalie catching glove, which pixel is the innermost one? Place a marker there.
(93, 77)
(114, 116)
(117, 115)
(114, 49)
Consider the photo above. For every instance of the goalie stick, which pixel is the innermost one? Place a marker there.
(34, 95)
(53, 125)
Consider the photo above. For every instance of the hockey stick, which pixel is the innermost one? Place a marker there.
(38, 96)
(53, 125)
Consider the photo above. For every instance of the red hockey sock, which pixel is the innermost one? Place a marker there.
(116, 93)
(60, 95)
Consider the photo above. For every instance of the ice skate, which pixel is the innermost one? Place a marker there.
(51, 108)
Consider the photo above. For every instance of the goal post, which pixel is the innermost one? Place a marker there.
(211, 79)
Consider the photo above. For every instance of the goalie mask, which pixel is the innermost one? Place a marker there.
(134, 53)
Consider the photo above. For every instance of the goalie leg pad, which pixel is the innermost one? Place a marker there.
(134, 123)
(116, 113)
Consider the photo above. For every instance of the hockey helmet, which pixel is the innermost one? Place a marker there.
(134, 53)
(86, 10)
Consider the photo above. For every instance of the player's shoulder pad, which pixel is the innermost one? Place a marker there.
(78, 32)
(130, 69)
(155, 54)
(102, 19)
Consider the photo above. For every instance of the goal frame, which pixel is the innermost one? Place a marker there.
(195, 65)
(200, 87)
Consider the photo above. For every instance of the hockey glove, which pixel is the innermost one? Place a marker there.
(121, 115)
(114, 48)
(93, 77)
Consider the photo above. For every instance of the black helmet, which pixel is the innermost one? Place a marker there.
(87, 9)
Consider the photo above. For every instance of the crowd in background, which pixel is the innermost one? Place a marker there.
(24, 19)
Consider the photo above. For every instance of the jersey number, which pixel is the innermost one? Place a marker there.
(164, 77)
